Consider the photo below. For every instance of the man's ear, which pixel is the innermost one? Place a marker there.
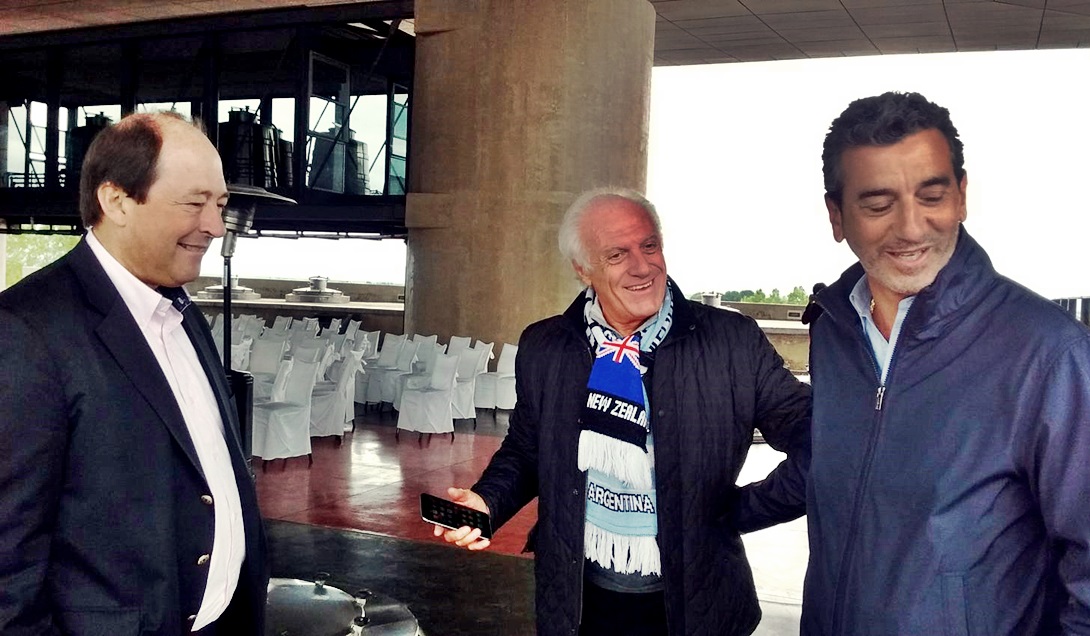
(964, 197)
(836, 218)
(115, 203)
(582, 272)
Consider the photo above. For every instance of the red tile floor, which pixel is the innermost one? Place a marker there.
(372, 482)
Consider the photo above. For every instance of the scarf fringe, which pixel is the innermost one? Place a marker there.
(626, 462)
(624, 554)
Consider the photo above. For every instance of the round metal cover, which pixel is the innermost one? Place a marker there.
(304, 608)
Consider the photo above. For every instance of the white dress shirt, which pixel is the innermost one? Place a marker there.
(161, 324)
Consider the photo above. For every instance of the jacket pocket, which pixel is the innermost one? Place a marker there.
(107, 621)
(955, 617)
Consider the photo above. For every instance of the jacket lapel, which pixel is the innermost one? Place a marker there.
(121, 336)
(196, 327)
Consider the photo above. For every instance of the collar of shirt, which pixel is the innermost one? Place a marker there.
(882, 349)
(143, 301)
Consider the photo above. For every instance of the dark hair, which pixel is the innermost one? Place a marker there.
(126, 155)
(881, 121)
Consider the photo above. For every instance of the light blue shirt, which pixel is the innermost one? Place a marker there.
(882, 349)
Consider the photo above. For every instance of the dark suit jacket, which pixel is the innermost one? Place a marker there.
(101, 517)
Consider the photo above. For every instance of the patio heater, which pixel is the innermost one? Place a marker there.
(238, 218)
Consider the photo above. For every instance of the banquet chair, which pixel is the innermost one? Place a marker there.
(425, 358)
(352, 328)
(377, 359)
(389, 378)
(332, 409)
(281, 323)
(425, 405)
(265, 356)
(485, 394)
(282, 428)
(471, 364)
(457, 343)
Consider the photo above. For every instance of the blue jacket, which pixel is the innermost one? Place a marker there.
(959, 503)
(714, 378)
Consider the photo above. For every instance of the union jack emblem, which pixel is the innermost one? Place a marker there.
(621, 349)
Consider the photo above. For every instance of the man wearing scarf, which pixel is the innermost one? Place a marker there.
(635, 411)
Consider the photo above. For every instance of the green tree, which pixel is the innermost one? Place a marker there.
(29, 252)
(756, 297)
(798, 296)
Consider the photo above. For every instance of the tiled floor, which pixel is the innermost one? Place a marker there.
(373, 482)
(355, 514)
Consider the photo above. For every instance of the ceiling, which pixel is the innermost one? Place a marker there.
(700, 31)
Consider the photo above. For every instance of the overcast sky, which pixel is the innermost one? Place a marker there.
(735, 170)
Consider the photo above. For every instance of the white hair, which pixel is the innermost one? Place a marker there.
(571, 239)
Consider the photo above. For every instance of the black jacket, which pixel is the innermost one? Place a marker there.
(714, 379)
(102, 512)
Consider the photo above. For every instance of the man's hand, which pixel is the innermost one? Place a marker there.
(465, 536)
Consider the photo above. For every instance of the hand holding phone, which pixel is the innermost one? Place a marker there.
(452, 516)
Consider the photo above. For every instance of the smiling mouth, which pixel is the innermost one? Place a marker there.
(643, 287)
(908, 256)
(199, 249)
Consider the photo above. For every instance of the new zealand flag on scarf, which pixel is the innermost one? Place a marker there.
(615, 409)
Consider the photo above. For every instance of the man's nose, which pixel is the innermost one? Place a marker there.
(212, 220)
(912, 222)
(639, 263)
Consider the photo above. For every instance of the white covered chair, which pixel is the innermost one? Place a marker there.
(406, 359)
(333, 328)
(425, 359)
(385, 358)
(471, 364)
(457, 344)
(486, 394)
(265, 357)
(425, 405)
(333, 407)
(352, 328)
(240, 354)
(282, 428)
(281, 323)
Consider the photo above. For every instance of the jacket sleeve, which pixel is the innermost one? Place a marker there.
(782, 415)
(510, 480)
(1059, 472)
(33, 429)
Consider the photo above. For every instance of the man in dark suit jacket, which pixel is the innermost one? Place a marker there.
(126, 506)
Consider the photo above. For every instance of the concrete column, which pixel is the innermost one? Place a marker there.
(518, 106)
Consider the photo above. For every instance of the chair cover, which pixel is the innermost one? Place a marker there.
(265, 357)
(281, 323)
(282, 428)
(457, 344)
(425, 359)
(352, 329)
(486, 392)
(332, 409)
(471, 364)
(426, 409)
(372, 359)
(389, 377)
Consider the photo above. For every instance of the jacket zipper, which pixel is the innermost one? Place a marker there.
(864, 475)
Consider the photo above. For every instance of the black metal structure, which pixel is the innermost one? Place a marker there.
(279, 61)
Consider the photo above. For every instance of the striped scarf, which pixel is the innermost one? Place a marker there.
(614, 444)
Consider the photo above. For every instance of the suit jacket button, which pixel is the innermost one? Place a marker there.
(191, 618)
(202, 559)
(206, 499)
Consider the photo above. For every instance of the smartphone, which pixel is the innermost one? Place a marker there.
(450, 515)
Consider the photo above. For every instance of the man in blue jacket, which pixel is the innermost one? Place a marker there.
(949, 487)
(635, 410)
